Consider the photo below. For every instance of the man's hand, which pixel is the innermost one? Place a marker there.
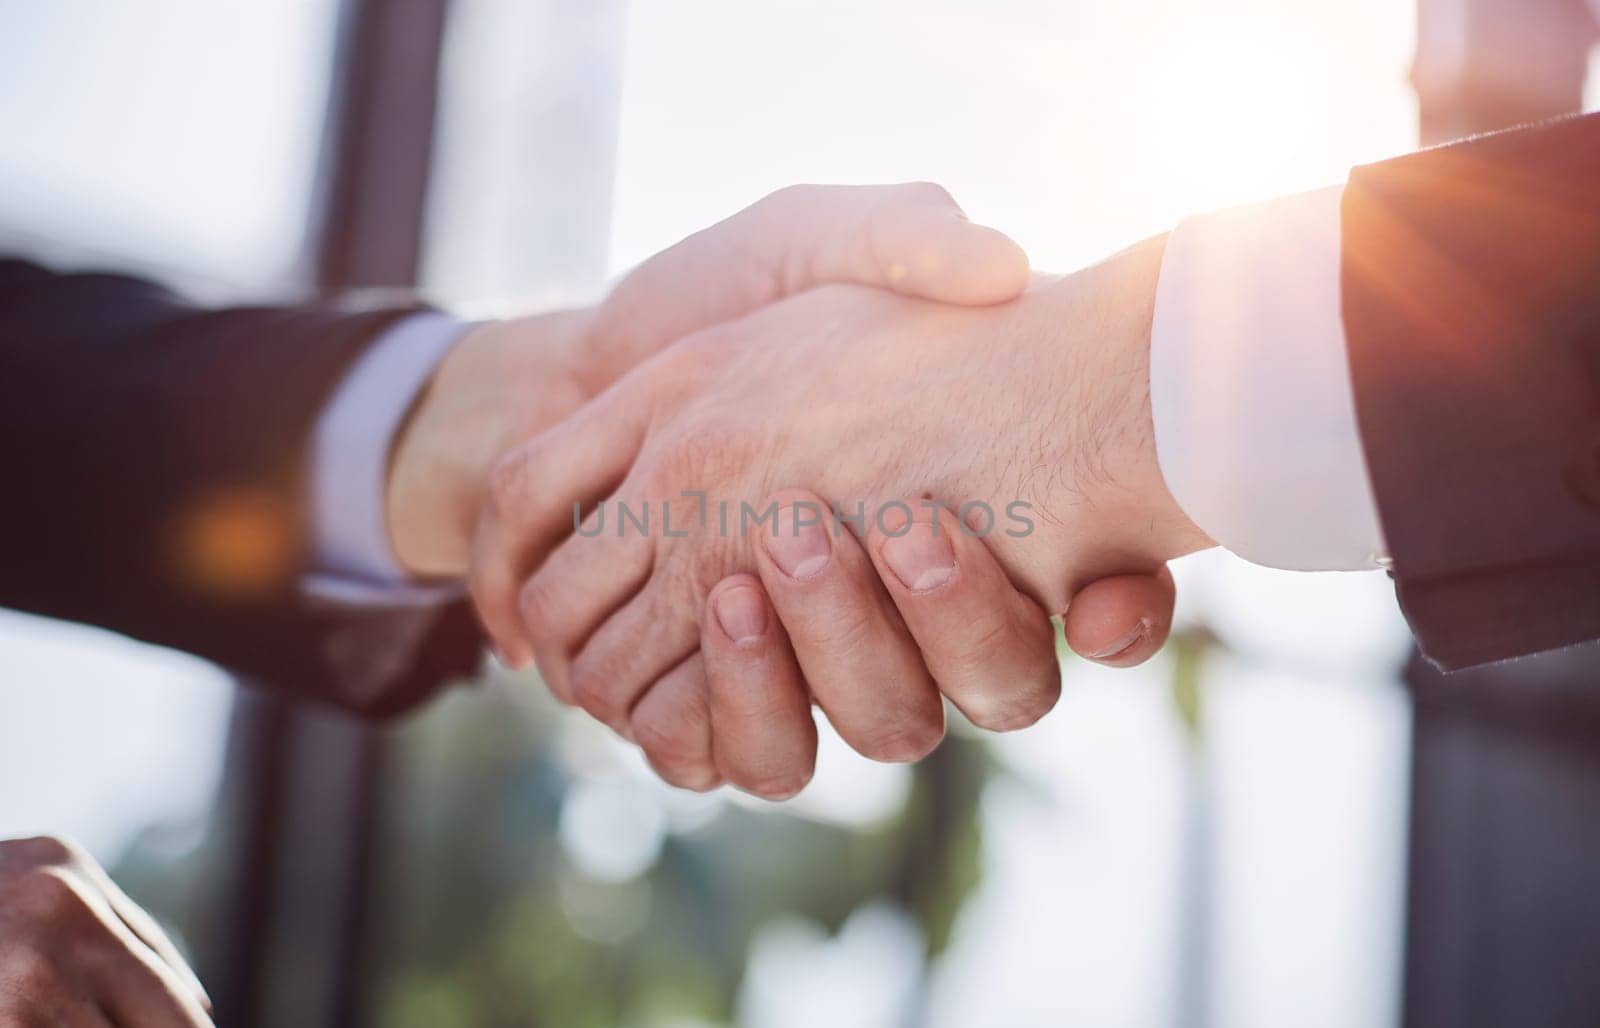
(872, 399)
(75, 951)
(508, 380)
(739, 711)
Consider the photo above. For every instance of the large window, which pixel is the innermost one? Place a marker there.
(178, 135)
(178, 138)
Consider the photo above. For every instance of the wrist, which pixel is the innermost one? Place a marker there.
(502, 382)
(1110, 488)
(1126, 286)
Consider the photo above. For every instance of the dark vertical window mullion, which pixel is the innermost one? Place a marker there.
(307, 784)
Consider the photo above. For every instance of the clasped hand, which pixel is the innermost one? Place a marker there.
(831, 350)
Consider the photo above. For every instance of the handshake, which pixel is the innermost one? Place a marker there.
(842, 448)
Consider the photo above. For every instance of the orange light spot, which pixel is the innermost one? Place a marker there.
(237, 542)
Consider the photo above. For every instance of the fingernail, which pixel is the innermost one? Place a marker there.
(1124, 643)
(741, 613)
(799, 548)
(922, 558)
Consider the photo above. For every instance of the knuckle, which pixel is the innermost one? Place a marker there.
(848, 638)
(1014, 706)
(929, 194)
(777, 783)
(989, 637)
(675, 752)
(793, 495)
(902, 742)
(693, 572)
(508, 479)
(664, 745)
(700, 455)
(994, 643)
(690, 359)
(791, 198)
(48, 894)
(536, 604)
(1009, 712)
(40, 849)
(700, 778)
(590, 682)
(28, 972)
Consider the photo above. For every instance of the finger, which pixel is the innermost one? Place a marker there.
(1123, 620)
(582, 583)
(132, 984)
(672, 725)
(533, 493)
(911, 237)
(143, 927)
(136, 989)
(855, 652)
(990, 648)
(653, 633)
(762, 733)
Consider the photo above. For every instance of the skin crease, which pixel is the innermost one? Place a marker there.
(865, 396)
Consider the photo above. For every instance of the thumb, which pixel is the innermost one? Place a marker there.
(919, 242)
(912, 238)
(1122, 620)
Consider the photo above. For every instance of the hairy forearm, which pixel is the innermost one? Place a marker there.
(1098, 475)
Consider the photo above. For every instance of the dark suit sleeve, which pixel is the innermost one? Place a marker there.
(1471, 300)
(154, 460)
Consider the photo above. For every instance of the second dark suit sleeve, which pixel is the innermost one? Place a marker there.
(154, 460)
(1471, 301)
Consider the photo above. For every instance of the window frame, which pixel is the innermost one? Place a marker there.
(303, 787)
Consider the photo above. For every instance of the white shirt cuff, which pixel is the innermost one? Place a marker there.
(1250, 390)
(354, 563)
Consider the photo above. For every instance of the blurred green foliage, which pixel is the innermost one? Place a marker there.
(482, 919)
(488, 922)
